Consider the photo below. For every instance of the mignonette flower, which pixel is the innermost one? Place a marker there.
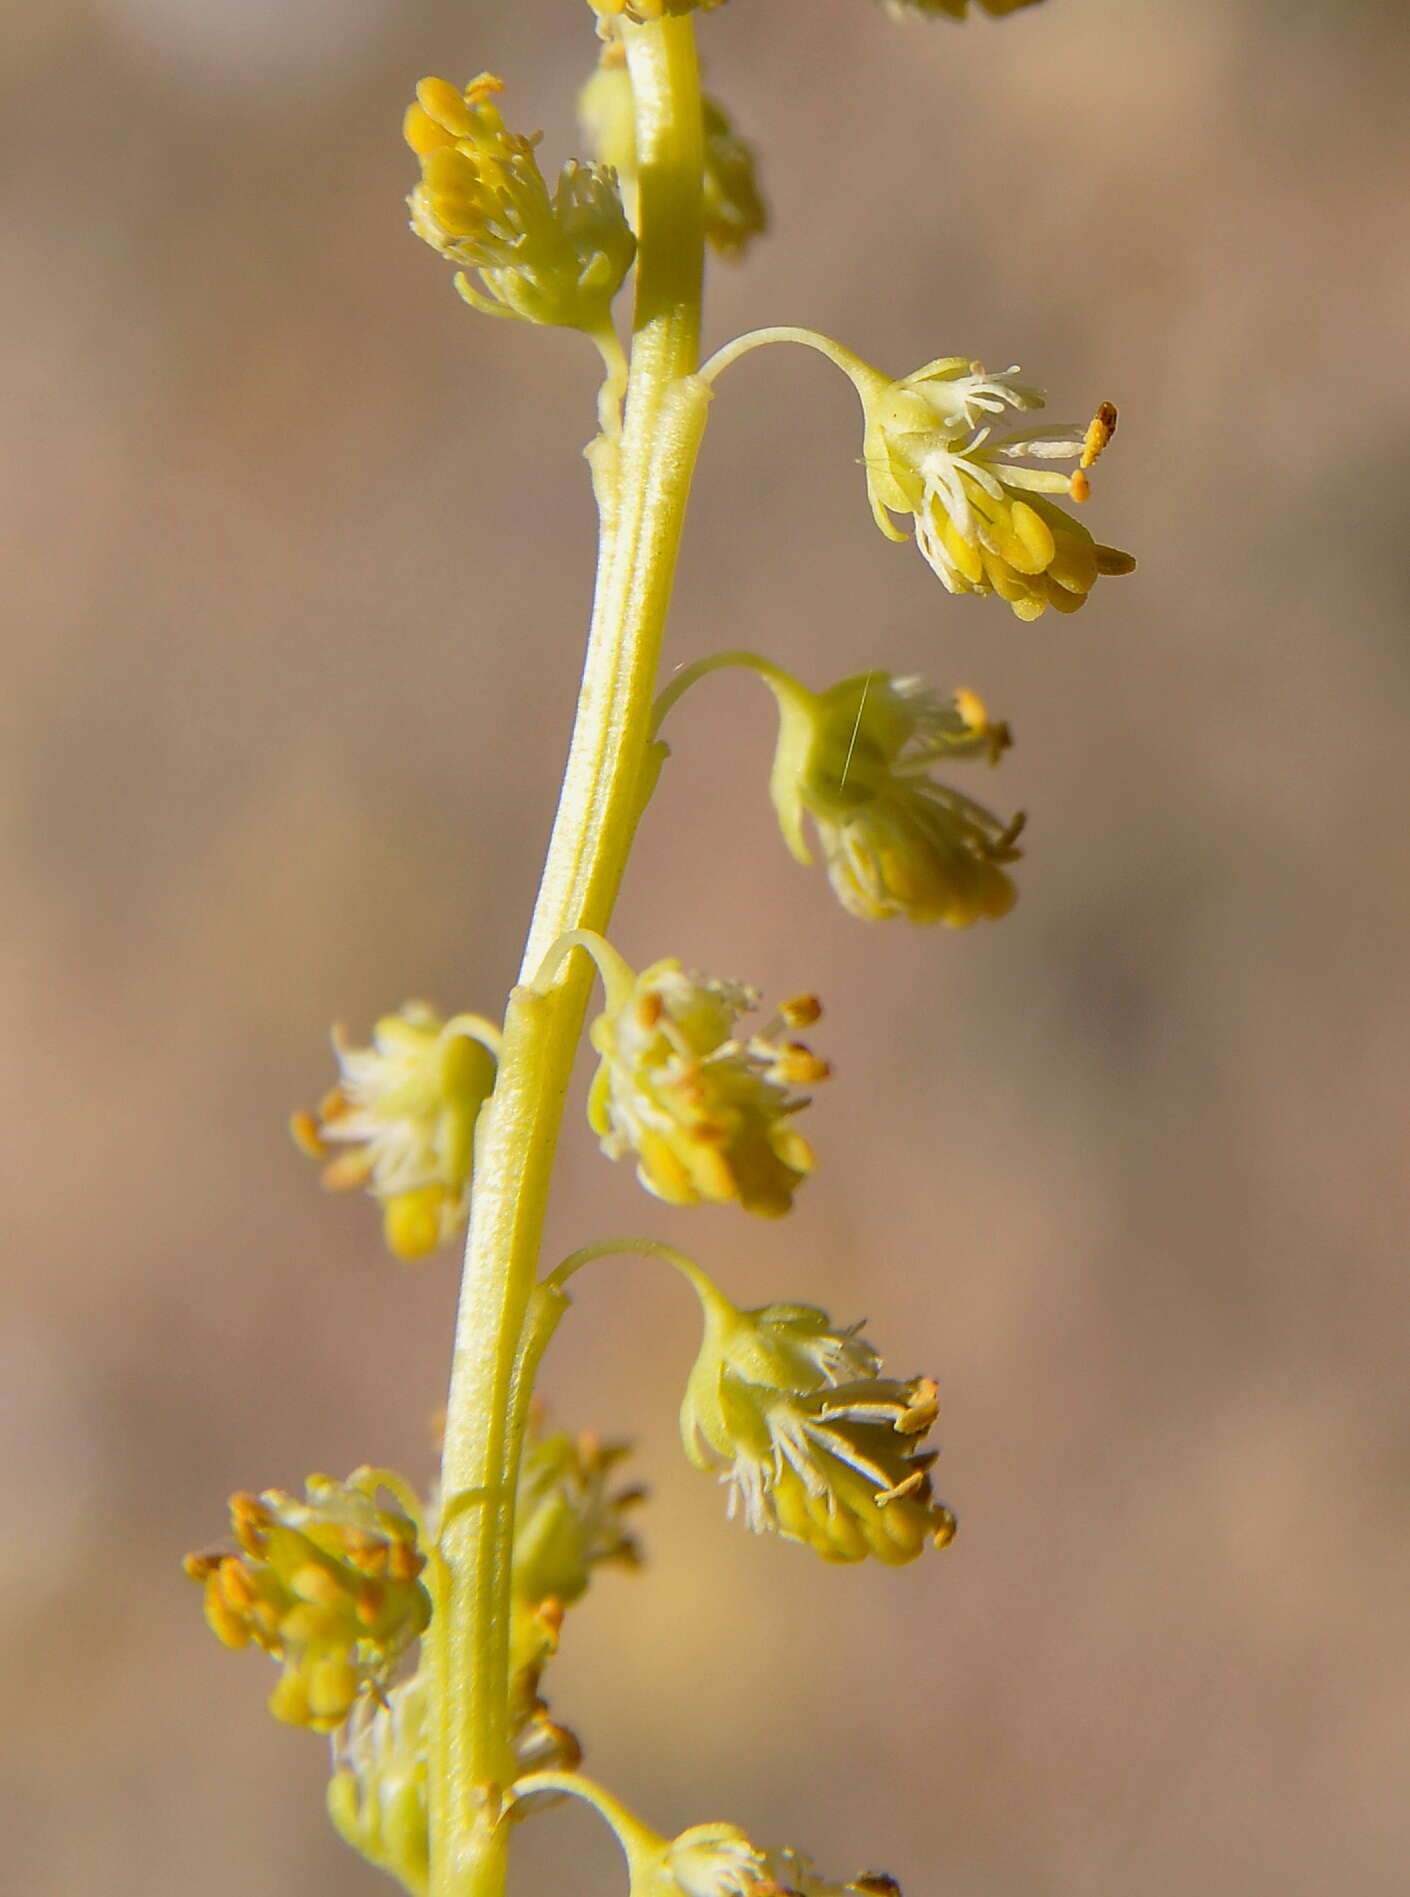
(707, 1114)
(857, 761)
(816, 1444)
(482, 201)
(330, 1586)
(982, 519)
(404, 1110)
(734, 207)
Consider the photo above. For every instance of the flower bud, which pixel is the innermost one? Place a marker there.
(377, 1796)
(405, 1111)
(734, 208)
(329, 1586)
(483, 202)
(857, 762)
(706, 1113)
(815, 1443)
(568, 1519)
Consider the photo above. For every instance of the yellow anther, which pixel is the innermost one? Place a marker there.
(1100, 430)
(801, 1012)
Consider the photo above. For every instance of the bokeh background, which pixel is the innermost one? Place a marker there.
(296, 567)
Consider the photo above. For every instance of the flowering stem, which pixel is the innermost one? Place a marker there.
(642, 491)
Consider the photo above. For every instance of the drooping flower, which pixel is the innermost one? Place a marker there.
(707, 1114)
(814, 1442)
(858, 762)
(403, 1114)
(549, 257)
(982, 518)
(329, 1586)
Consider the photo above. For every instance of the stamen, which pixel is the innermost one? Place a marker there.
(1100, 430)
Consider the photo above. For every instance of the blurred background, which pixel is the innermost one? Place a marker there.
(297, 567)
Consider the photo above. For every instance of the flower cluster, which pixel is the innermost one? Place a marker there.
(568, 1521)
(403, 1113)
(982, 519)
(858, 761)
(707, 1114)
(330, 1586)
(556, 257)
(816, 1443)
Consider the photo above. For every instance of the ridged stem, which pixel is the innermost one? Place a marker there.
(472, 1761)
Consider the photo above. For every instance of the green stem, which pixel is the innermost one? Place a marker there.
(642, 1847)
(472, 1761)
(784, 687)
(864, 379)
(680, 1261)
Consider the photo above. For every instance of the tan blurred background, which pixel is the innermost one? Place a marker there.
(297, 560)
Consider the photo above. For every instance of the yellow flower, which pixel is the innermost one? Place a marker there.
(483, 202)
(329, 1586)
(405, 1110)
(816, 1444)
(857, 762)
(982, 519)
(707, 1114)
(735, 212)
